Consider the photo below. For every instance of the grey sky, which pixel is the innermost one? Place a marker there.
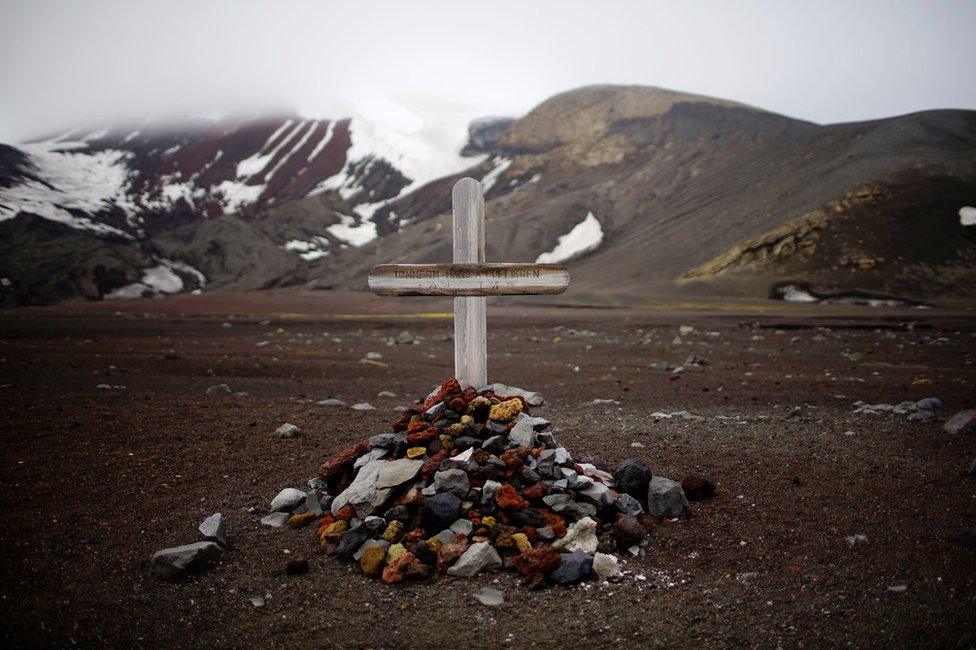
(72, 61)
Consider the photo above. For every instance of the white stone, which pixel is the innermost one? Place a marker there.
(605, 566)
(479, 557)
(580, 535)
(287, 500)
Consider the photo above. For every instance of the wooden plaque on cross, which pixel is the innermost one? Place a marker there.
(469, 279)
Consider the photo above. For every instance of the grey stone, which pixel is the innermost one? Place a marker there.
(404, 338)
(219, 389)
(275, 519)
(546, 440)
(351, 540)
(373, 454)
(174, 563)
(435, 410)
(922, 416)
(465, 442)
(317, 501)
(479, 557)
(632, 477)
(385, 440)
(375, 525)
(563, 504)
(446, 536)
(855, 540)
(546, 533)
(562, 456)
(488, 492)
(540, 424)
(666, 498)
(398, 472)
(451, 480)
(961, 422)
(441, 510)
(287, 430)
(316, 483)
(573, 567)
(463, 527)
(213, 529)
(287, 500)
(386, 393)
(489, 596)
(331, 402)
(930, 404)
(629, 505)
(605, 566)
(599, 495)
(522, 432)
(363, 406)
(531, 398)
(363, 494)
(494, 444)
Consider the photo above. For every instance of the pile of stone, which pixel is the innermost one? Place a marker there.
(472, 482)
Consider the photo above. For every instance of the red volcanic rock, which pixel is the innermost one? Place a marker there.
(450, 552)
(342, 462)
(428, 433)
(469, 394)
(430, 467)
(458, 405)
(346, 512)
(509, 499)
(554, 521)
(541, 559)
(628, 531)
(536, 492)
(515, 458)
(416, 427)
(405, 567)
(697, 487)
(448, 387)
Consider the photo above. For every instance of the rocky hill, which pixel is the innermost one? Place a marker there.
(646, 194)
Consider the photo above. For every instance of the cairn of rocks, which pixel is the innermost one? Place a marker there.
(472, 482)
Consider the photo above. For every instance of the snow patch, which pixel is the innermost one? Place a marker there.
(86, 182)
(237, 194)
(967, 215)
(308, 250)
(158, 280)
(326, 139)
(352, 233)
(491, 177)
(583, 238)
(793, 293)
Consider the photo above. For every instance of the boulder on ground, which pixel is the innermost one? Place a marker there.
(962, 422)
(177, 562)
(665, 498)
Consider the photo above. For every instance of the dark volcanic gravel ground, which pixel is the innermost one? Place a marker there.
(95, 479)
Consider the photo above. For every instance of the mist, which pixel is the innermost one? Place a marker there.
(70, 62)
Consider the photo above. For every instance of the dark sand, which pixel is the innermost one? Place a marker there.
(94, 480)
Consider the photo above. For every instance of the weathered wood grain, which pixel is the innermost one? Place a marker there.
(470, 328)
(468, 279)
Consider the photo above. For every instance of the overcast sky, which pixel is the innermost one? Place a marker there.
(79, 61)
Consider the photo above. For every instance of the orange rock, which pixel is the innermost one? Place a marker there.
(509, 499)
(302, 519)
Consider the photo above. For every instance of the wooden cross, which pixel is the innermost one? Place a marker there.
(469, 279)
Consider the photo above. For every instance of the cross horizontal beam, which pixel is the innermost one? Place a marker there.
(467, 279)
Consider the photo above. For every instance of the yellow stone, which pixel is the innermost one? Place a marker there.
(467, 419)
(434, 544)
(394, 552)
(505, 411)
(488, 522)
(478, 402)
(393, 532)
(456, 428)
(522, 541)
(335, 527)
(299, 520)
(416, 452)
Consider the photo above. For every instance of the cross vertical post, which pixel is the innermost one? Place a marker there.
(470, 335)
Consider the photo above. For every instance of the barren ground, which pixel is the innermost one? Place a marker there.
(93, 480)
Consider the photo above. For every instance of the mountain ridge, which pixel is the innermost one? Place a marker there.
(676, 182)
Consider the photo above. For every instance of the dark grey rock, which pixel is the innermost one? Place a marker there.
(961, 422)
(275, 519)
(573, 567)
(213, 529)
(466, 442)
(546, 440)
(451, 480)
(488, 492)
(219, 389)
(564, 505)
(441, 510)
(175, 563)
(494, 444)
(632, 477)
(350, 542)
(629, 505)
(666, 498)
(384, 440)
(317, 502)
(930, 404)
